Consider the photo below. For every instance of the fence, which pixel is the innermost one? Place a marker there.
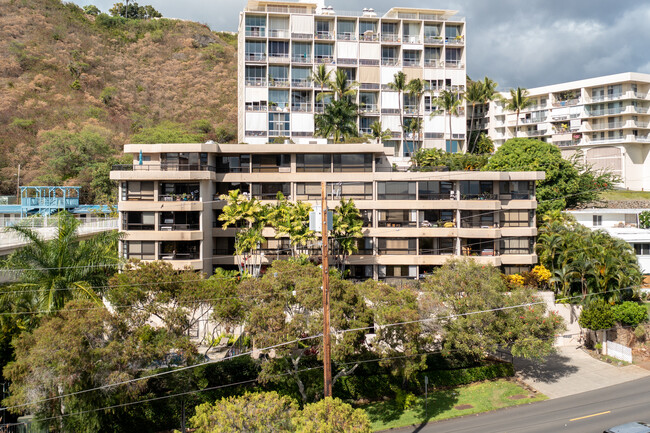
(619, 351)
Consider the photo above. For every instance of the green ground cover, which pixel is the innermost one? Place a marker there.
(625, 195)
(450, 403)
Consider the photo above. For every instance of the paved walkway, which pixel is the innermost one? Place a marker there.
(572, 371)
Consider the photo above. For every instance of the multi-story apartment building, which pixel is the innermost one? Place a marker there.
(606, 118)
(413, 221)
(281, 42)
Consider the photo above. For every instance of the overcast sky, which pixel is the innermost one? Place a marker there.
(526, 43)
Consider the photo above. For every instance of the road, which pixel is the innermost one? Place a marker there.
(589, 412)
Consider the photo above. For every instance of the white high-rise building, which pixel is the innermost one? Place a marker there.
(606, 118)
(282, 42)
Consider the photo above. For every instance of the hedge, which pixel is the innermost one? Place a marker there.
(445, 378)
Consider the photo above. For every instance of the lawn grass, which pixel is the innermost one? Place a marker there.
(625, 195)
(483, 397)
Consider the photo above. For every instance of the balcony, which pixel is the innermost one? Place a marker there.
(602, 98)
(282, 108)
(456, 64)
(324, 35)
(480, 196)
(346, 36)
(302, 82)
(390, 37)
(566, 103)
(278, 82)
(369, 86)
(387, 61)
(433, 40)
(179, 227)
(284, 34)
(301, 36)
(411, 62)
(369, 108)
(163, 167)
(256, 82)
(256, 32)
(324, 59)
(255, 57)
(369, 37)
(301, 107)
(278, 57)
(278, 133)
(259, 108)
(432, 63)
(347, 61)
(537, 133)
(302, 59)
(458, 40)
(605, 112)
(408, 39)
(369, 62)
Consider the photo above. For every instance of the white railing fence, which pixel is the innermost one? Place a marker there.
(619, 351)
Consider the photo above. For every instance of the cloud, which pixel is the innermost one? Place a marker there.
(517, 43)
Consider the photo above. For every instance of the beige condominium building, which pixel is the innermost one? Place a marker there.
(413, 221)
(606, 118)
(282, 42)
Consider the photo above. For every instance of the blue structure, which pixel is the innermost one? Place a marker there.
(48, 200)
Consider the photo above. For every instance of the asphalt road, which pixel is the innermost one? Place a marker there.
(588, 412)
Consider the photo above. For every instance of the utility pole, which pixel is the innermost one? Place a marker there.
(18, 186)
(327, 364)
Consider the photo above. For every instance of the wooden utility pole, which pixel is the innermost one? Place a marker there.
(327, 364)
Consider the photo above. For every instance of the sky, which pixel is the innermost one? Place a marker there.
(527, 43)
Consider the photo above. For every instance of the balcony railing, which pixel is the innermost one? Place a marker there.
(369, 37)
(324, 35)
(433, 39)
(255, 107)
(256, 32)
(324, 59)
(408, 39)
(453, 64)
(390, 111)
(455, 40)
(369, 86)
(302, 107)
(396, 251)
(301, 82)
(347, 61)
(411, 62)
(163, 167)
(369, 108)
(278, 107)
(346, 36)
(278, 57)
(301, 59)
(255, 57)
(179, 256)
(566, 103)
(180, 227)
(278, 82)
(389, 62)
(605, 112)
(255, 133)
(301, 36)
(390, 37)
(138, 226)
(279, 34)
(480, 196)
(432, 63)
(278, 133)
(369, 62)
(256, 81)
(178, 197)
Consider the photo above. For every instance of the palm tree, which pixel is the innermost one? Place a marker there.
(399, 85)
(339, 120)
(518, 101)
(321, 77)
(64, 267)
(474, 95)
(489, 94)
(416, 88)
(347, 227)
(342, 87)
(449, 102)
(376, 132)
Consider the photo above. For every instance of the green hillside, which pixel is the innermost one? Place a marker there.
(74, 88)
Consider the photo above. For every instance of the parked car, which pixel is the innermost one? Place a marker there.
(630, 427)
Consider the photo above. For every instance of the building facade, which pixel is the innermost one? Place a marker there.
(282, 42)
(606, 118)
(623, 224)
(169, 205)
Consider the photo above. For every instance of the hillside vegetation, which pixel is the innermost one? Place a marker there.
(74, 88)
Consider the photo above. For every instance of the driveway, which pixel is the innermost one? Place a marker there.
(572, 371)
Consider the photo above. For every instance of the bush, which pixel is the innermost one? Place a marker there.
(202, 126)
(448, 378)
(639, 332)
(107, 94)
(630, 313)
(644, 219)
(598, 315)
(22, 123)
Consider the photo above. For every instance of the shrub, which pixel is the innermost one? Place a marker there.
(598, 315)
(202, 125)
(76, 85)
(107, 94)
(448, 378)
(630, 313)
(22, 123)
(639, 332)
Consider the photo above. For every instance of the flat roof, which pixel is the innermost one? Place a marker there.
(588, 82)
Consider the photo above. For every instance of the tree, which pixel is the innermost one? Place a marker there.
(85, 346)
(461, 287)
(91, 10)
(377, 133)
(416, 88)
(474, 95)
(58, 270)
(331, 415)
(431, 159)
(488, 86)
(399, 85)
(339, 120)
(134, 11)
(342, 87)
(167, 132)
(450, 103)
(292, 219)
(347, 227)
(322, 78)
(567, 183)
(251, 412)
(518, 101)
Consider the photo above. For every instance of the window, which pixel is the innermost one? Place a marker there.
(271, 163)
(139, 250)
(517, 190)
(517, 245)
(279, 101)
(451, 146)
(630, 219)
(434, 190)
(476, 189)
(179, 221)
(323, 51)
(411, 58)
(642, 249)
(364, 246)
(278, 75)
(452, 31)
(269, 191)
(314, 163)
(179, 250)
(308, 191)
(397, 218)
(396, 246)
(397, 271)
(516, 218)
(278, 124)
(353, 162)
(138, 221)
(345, 30)
(431, 31)
(255, 50)
(437, 217)
(134, 190)
(350, 190)
(255, 25)
(233, 164)
(597, 220)
(453, 56)
(301, 51)
(396, 190)
(278, 49)
(389, 56)
(473, 219)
